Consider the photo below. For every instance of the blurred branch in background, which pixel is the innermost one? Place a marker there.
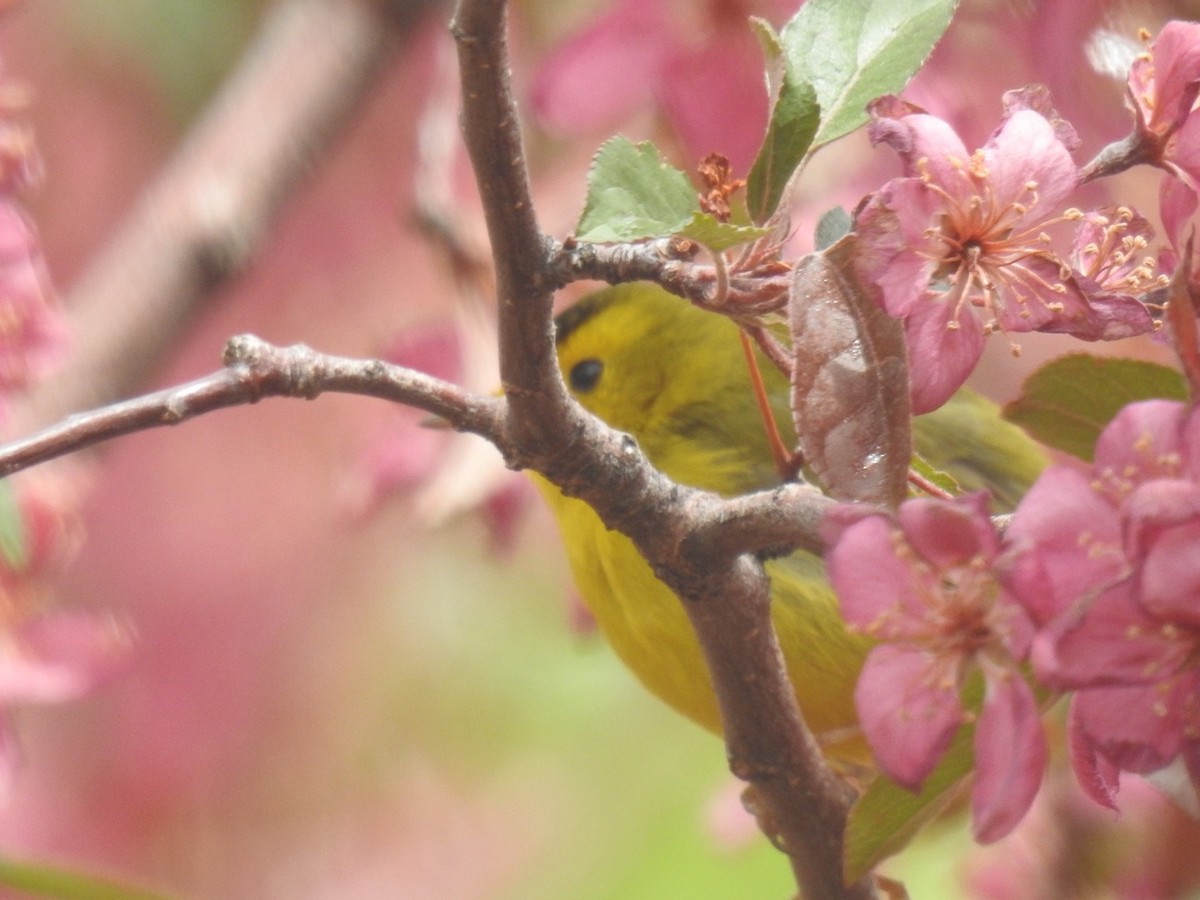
(200, 223)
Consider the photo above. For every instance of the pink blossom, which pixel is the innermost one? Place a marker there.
(404, 454)
(45, 656)
(1162, 88)
(930, 595)
(56, 657)
(52, 658)
(1115, 269)
(32, 333)
(697, 62)
(1176, 204)
(1068, 848)
(1118, 580)
(957, 246)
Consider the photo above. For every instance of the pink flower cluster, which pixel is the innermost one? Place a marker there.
(1110, 560)
(45, 656)
(32, 333)
(932, 596)
(1094, 588)
(960, 245)
(958, 248)
(1163, 85)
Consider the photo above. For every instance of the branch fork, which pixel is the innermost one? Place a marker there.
(707, 549)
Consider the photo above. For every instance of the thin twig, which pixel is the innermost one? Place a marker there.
(254, 370)
(668, 262)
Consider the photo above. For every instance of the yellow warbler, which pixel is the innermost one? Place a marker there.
(675, 378)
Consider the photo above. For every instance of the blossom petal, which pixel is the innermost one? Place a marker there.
(1037, 98)
(1069, 542)
(1108, 641)
(60, 657)
(894, 248)
(950, 534)
(34, 334)
(940, 358)
(1163, 532)
(1027, 162)
(1184, 161)
(1010, 757)
(1097, 776)
(1110, 317)
(908, 715)
(1177, 202)
(1191, 443)
(1173, 73)
(1144, 441)
(1138, 728)
(881, 599)
(923, 142)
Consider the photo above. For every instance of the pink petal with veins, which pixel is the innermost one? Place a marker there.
(1026, 150)
(1010, 757)
(949, 535)
(940, 358)
(908, 714)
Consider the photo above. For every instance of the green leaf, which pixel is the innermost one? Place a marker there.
(12, 529)
(833, 225)
(936, 476)
(633, 194)
(886, 817)
(853, 51)
(1067, 403)
(773, 52)
(794, 121)
(718, 236)
(968, 438)
(39, 880)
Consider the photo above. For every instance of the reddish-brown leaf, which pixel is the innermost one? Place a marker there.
(849, 381)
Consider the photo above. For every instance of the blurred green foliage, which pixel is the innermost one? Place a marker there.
(503, 692)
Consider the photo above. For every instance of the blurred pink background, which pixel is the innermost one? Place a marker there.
(323, 706)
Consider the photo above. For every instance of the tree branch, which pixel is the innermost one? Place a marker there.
(204, 216)
(253, 370)
(697, 542)
(670, 263)
(727, 597)
(774, 522)
(538, 402)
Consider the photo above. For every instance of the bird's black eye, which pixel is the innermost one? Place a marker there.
(585, 375)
